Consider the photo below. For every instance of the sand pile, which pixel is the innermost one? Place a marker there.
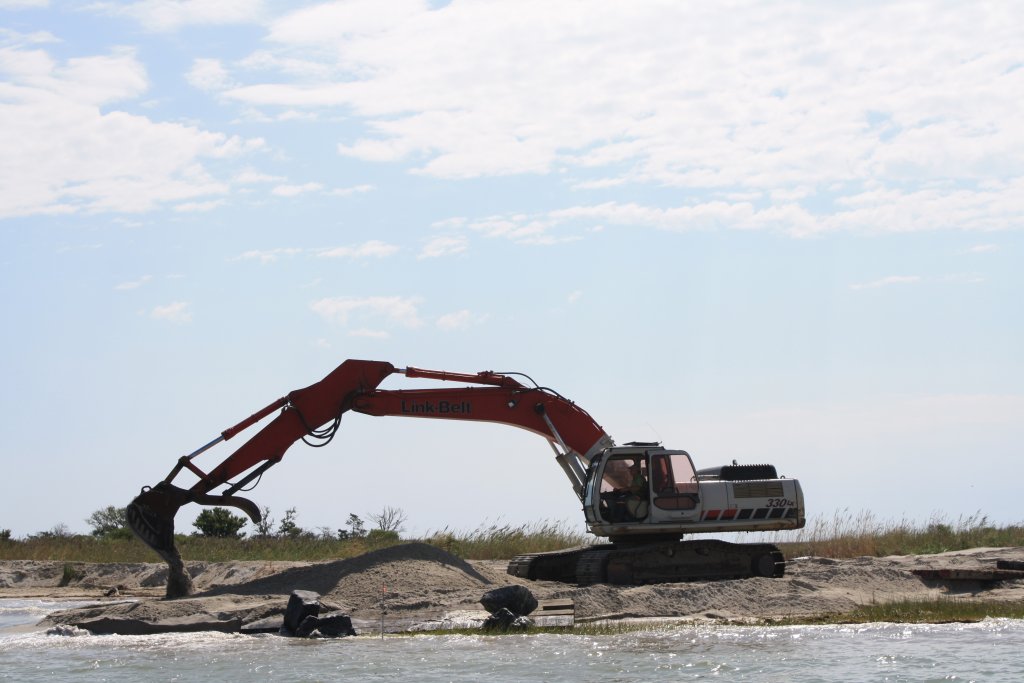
(411, 576)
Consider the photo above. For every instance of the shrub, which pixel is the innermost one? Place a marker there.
(107, 520)
(381, 537)
(70, 574)
(219, 523)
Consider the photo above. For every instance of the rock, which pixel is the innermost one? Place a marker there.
(504, 620)
(67, 630)
(266, 625)
(128, 626)
(516, 599)
(301, 604)
(335, 625)
(308, 625)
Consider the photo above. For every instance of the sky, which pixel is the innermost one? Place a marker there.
(782, 232)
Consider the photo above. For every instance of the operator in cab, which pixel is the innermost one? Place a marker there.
(631, 502)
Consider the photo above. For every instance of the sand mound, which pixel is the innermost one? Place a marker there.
(411, 574)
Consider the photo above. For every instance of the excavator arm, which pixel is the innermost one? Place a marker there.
(313, 415)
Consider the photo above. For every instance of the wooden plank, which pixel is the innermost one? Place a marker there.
(555, 608)
(549, 608)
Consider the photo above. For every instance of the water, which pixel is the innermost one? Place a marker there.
(989, 651)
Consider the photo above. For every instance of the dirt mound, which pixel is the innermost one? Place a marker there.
(412, 574)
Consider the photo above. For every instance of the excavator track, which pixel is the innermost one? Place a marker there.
(663, 562)
(557, 565)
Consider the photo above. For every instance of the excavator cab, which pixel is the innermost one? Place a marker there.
(670, 493)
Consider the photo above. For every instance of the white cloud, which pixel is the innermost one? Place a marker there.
(574, 296)
(329, 22)
(455, 321)
(64, 145)
(265, 256)
(296, 190)
(23, 4)
(197, 207)
(252, 177)
(444, 246)
(372, 248)
(983, 248)
(349, 191)
(838, 114)
(888, 281)
(394, 309)
(177, 312)
(871, 212)
(10, 37)
(368, 249)
(170, 15)
(133, 284)
(208, 75)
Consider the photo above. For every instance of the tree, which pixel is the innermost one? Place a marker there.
(58, 531)
(288, 527)
(5, 534)
(389, 519)
(265, 526)
(219, 522)
(107, 520)
(356, 527)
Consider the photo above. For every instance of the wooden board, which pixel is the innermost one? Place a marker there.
(550, 608)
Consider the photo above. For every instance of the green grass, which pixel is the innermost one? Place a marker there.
(855, 535)
(928, 611)
(192, 548)
(483, 543)
(844, 535)
(504, 542)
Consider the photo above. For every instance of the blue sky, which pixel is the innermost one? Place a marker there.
(783, 232)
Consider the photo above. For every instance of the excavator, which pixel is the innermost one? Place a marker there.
(641, 497)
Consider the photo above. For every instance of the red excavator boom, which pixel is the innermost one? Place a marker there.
(313, 414)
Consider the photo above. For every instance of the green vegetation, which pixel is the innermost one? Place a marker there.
(70, 574)
(939, 611)
(504, 542)
(108, 520)
(848, 535)
(295, 544)
(219, 522)
(843, 536)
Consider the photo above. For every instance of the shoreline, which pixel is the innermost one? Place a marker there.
(423, 585)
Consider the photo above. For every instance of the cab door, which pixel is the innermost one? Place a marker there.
(675, 491)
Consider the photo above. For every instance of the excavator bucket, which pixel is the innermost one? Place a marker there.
(151, 513)
(151, 517)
